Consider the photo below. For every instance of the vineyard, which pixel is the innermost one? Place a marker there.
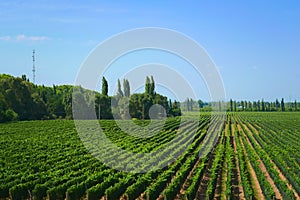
(256, 156)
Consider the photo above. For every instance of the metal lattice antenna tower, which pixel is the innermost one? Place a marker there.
(33, 66)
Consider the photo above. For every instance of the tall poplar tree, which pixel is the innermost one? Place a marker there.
(104, 86)
(120, 92)
(126, 87)
(282, 105)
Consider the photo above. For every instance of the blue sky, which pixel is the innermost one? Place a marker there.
(255, 44)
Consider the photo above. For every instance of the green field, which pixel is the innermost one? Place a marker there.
(257, 156)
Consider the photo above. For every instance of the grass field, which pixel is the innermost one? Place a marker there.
(257, 156)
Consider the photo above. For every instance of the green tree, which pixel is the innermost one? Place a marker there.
(191, 104)
(243, 105)
(268, 106)
(263, 107)
(10, 115)
(258, 105)
(126, 87)
(3, 108)
(282, 105)
(277, 105)
(103, 106)
(176, 111)
(152, 86)
(140, 104)
(147, 85)
(250, 105)
(163, 101)
(254, 105)
(234, 105)
(120, 92)
(170, 104)
(187, 104)
(123, 106)
(67, 101)
(104, 87)
(200, 103)
(246, 105)
(231, 105)
(135, 106)
(24, 77)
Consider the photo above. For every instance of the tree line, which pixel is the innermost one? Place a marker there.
(139, 105)
(237, 106)
(263, 106)
(23, 100)
(20, 99)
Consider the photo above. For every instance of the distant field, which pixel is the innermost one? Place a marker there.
(257, 156)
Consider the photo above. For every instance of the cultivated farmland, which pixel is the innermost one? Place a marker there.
(256, 156)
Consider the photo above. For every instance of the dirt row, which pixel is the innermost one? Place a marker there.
(263, 167)
(236, 186)
(238, 181)
(275, 167)
(254, 181)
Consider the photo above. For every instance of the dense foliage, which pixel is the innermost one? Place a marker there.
(23, 100)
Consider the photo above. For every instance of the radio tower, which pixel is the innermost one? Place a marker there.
(33, 66)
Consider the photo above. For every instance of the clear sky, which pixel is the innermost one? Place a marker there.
(255, 44)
